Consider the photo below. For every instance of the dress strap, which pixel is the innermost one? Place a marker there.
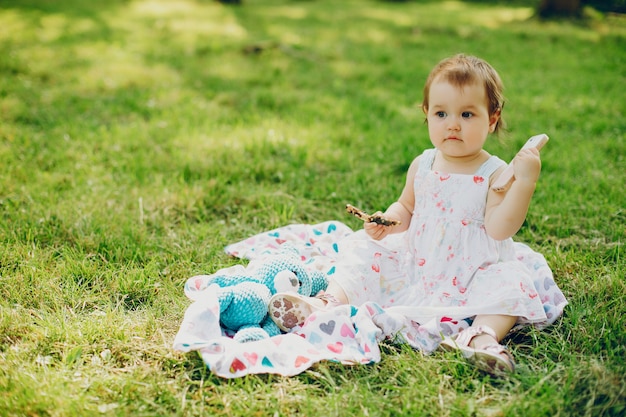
(426, 160)
(490, 166)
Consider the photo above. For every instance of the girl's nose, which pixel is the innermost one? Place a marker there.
(453, 123)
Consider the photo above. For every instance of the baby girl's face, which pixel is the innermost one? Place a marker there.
(458, 118)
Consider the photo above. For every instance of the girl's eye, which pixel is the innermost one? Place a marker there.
(466, 114)
(440, 114)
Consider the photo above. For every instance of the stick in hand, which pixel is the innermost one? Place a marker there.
(378, 219)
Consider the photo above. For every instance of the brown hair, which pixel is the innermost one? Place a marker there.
(461, 70)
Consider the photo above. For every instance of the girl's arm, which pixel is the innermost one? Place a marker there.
(401, 210)
(506, 212)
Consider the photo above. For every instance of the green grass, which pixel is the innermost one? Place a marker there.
(138, 138)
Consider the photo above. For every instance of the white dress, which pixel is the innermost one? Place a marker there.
(445, 264)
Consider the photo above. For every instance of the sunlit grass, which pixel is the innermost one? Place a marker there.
(138, 138)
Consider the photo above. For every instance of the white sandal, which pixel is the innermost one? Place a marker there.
(488, 358)
(289, 309)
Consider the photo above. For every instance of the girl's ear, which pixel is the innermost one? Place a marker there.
(425, 110)
(493, 120)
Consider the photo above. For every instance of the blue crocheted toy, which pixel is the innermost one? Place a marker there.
(244, 297)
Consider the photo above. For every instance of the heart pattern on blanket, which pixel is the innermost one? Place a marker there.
(301, 360)
(328, 328)
(237, 366)
(445, 319)
(315, 338)
(336, 347)
(251, 357)
(346, 331)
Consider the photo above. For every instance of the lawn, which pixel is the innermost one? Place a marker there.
(138, 138)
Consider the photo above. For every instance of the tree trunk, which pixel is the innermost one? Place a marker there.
(559, 8)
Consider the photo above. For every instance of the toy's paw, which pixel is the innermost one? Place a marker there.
(250, 334)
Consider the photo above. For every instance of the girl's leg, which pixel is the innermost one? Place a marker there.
(481, 343)
(336, 292)
(499, 323)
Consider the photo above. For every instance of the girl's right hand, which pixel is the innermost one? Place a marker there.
(376, 231)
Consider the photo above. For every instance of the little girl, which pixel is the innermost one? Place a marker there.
(457, 256)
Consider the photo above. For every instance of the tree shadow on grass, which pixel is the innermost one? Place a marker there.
(69, 7)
